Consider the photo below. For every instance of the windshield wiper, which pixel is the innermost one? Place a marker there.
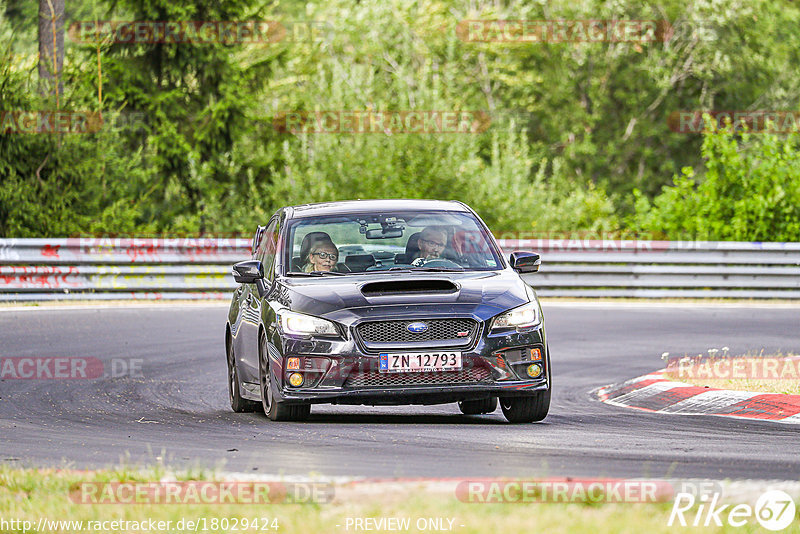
(438, 269)
(315, 273)
(423, 269)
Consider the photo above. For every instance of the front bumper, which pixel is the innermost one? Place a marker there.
(336, 361)
(413, 394)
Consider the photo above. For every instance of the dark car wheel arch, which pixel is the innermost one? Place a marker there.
(238, 403)
(274, 409)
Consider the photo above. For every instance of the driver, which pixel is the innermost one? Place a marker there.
(431, 243)
(322, 257)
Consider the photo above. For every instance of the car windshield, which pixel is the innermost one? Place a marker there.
(389, 241)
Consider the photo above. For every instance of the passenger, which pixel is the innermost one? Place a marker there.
(323, 257)
(431, 243)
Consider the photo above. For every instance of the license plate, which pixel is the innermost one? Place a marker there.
(410, 362)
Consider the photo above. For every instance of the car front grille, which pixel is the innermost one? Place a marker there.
(474, 375)
(457, 332)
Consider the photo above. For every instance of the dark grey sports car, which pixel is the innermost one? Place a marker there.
(385, 302)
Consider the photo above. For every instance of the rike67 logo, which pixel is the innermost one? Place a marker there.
(774, 510)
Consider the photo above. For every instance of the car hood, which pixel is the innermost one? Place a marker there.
(347, 299)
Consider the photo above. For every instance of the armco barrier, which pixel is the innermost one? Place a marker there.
(102, 268)
(659, 269)
(95, 268)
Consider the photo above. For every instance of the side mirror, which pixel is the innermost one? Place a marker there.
(525, 262)
(248, 272)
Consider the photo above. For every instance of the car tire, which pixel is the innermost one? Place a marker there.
(477, 407)
(526, 409)
(273, 408)
(238, 403)
(529, 408)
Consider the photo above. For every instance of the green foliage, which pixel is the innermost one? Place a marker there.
(579, 139)
(603, 107)
(64, 185)
(407, 63)
(750, 191)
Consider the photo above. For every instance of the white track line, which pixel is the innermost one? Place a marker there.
(708, 401)
(655, 303)
(704, 403)
(647, 391)
(163, 305)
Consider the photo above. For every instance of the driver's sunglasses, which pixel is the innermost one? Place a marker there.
(326, 255)
(433, 243)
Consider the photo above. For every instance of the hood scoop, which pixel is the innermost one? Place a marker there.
(405, 287)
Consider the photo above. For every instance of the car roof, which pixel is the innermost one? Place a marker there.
(359, 206)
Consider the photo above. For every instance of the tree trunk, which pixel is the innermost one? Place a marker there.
(51, 47)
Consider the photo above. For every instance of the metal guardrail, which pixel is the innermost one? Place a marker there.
(111, 269)
(661, 269)
(153, 269)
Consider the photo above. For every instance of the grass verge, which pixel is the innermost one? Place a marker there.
(32, 494)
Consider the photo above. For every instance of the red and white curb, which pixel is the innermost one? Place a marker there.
(657, 393)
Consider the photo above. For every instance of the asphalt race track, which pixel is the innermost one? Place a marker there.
(177, 411)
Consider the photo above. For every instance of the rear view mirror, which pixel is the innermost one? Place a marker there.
(525, 262)
(248, 272)
(384, 233)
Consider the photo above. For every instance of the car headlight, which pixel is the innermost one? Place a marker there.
(524, 316)
(302, 324)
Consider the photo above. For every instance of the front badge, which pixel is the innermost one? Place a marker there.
(417, 328)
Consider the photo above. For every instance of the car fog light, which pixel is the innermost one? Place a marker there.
(534, 370)
(296, 379)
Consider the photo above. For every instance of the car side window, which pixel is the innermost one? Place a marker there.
(267, 249)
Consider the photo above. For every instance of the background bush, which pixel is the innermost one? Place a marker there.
(750, 191)
(579, 139)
